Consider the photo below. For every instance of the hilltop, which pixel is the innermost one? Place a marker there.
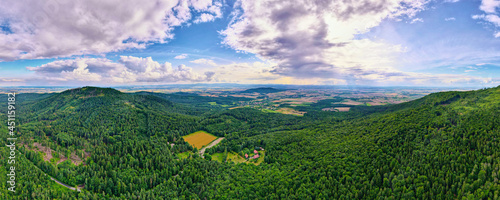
(92, 91)
(263, 90)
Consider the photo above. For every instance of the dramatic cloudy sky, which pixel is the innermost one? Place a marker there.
(332, 42)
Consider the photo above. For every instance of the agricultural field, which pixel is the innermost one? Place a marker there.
(301, 101)
(342, 109)
(199, 139)
(290, 111)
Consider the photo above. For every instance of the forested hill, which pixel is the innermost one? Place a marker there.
(443, 146)
(263, 90)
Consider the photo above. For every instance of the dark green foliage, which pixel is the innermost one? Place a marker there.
(196, 104)
(442, 146)
(263, 90)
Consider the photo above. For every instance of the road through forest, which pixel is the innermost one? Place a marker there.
(215, 142)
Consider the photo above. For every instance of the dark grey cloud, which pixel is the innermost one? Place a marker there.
(314, 39)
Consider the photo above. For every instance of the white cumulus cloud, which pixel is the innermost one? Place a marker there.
(127, 69)
(318, 38)
(61, 28)
(204, 61)
(416, 20)
(489, 6)
(182, 56)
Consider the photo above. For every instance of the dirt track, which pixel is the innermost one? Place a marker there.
(213, 143)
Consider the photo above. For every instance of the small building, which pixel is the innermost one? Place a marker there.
(246, 155)
(255, 156)
(255, 151)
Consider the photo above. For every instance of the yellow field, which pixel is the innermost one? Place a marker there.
(199, 139)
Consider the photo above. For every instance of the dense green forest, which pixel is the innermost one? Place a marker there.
(117, 145)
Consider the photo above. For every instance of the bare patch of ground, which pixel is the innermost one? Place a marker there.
(351, 102)
(75, 159)
(329, 109)
(343, 109)
(62, 159)
(39, 148)
(48, 154)
(235, 107)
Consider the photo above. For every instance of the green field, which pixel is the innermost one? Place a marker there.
(218, 156)
(234, 157)
(184, 155)
(261, 158)
(269, 111)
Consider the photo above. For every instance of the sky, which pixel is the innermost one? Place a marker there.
(444, 43)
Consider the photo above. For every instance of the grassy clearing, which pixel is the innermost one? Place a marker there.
(199, 139)
(184, 155)
(269, 111)
(218, 156)
(54, 161)
(304, 104)
(290, 111)
(261, 158)
(234, 157)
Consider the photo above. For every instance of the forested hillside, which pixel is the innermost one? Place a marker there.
(125, 146)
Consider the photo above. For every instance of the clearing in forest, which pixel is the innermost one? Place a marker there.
(343, 109)
(199, 139)
(234, 157)
(290, 111)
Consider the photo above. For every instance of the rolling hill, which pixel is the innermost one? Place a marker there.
(263, 90)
